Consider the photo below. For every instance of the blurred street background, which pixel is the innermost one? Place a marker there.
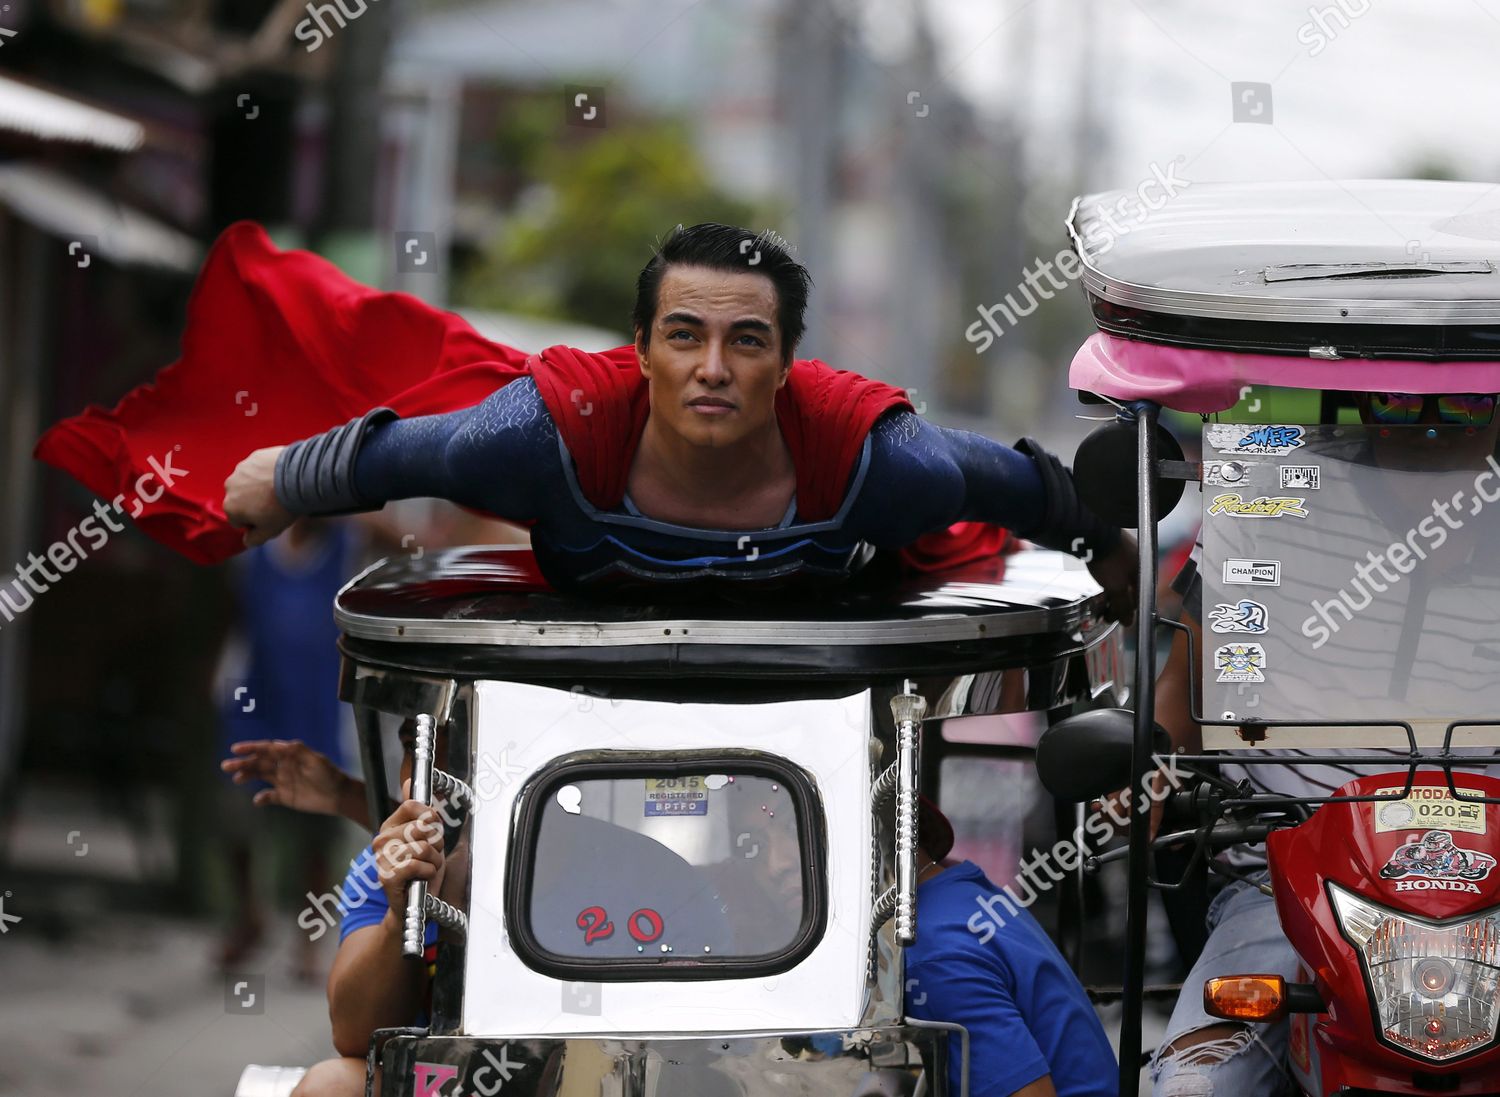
(516, 160)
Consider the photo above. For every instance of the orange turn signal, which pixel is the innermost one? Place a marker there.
(1246, 997)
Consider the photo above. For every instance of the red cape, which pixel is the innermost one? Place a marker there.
(280, 345)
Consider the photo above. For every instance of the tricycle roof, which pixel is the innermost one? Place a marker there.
(486, 612)
(1387, 285)
(1391, 252)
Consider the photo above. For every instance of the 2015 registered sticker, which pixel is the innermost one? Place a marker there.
(676, 796)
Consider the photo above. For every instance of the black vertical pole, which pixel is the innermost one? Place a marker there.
(372, 761)
(1140, 805)
(1065, 819)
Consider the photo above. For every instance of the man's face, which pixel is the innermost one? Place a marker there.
(714, 361)
(763, 812)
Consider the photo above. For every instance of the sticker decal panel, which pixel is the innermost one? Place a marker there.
(1269, 438)
(1301, 477)
(1426, 808)
(676, 796)
(1246, 615)
(1240, 663)
(1226, 473)
(1235, 505)
(1262, 573)
(1433, 862)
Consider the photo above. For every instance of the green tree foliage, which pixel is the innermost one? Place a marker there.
(591, 209)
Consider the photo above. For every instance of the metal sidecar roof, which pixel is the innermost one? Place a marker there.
(1401, 269)
(486, 612)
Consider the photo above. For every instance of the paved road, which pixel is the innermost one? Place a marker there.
(132, 1006)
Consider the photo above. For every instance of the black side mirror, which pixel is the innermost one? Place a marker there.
(1087, 756)
(1105, 470)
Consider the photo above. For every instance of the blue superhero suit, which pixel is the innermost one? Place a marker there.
(506, 456)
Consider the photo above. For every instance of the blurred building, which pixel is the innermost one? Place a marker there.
(130, 133)
(896, 195)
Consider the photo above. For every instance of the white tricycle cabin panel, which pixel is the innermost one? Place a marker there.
(519, 729)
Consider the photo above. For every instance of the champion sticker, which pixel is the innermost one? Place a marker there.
(1226, 474)
(1240, 663)
(1258, 573)
(1264, 506)
(1271, 438)
(1433, 862)
(1301, 477)
(1428, 807)
(1246, 615)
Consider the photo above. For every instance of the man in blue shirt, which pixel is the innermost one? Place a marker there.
(1032, 1031)
(372, 985)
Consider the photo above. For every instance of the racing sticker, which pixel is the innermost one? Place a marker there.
(1246, 615)
(1272, 438)
(1255, 573)
(1301, 477)
(1428, 806)
(1226, 473)
(1433, 863)
(1263, 506)
(1240, 663)
(676, 796)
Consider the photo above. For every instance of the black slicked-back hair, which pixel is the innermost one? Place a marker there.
(727, 248)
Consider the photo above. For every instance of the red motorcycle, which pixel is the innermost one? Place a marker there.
(1388, 892)
(1393, 906)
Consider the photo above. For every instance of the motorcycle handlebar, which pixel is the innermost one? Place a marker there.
(1222, 836)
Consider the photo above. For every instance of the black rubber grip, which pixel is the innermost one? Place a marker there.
(1069, 526)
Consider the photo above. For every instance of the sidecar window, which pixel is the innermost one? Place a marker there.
(667, 869)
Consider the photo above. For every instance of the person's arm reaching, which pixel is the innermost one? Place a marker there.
(1173, 709)
(924, 477)
(478, 456)
(372, 985)
(1173, 689)
(300, 778)
(1042, 1087)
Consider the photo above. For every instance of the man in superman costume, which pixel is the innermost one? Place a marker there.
(703, 451)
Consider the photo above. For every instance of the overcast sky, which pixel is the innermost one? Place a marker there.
(1406, 81)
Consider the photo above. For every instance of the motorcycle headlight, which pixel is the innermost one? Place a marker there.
(1435, 988)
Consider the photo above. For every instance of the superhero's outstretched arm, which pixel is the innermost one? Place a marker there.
(924, 477)
(487, 456)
